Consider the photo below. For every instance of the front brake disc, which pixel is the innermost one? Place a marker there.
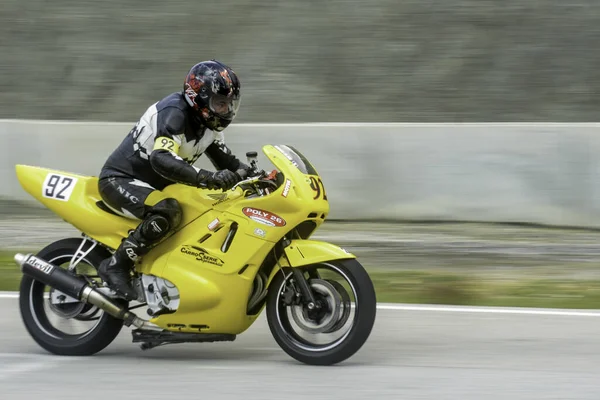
(334, 301)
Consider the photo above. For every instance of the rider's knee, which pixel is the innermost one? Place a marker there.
(161, 219)
(170, 209)
(155, 227)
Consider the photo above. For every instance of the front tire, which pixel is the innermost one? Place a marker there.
(35, 317)
(365, 308)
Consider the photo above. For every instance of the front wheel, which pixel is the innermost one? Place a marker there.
(336, 326)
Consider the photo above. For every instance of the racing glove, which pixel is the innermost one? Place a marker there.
(244, 171)
(223, 179)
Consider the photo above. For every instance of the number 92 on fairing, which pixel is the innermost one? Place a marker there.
(59, 187)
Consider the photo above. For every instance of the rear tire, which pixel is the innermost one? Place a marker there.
(363, 321)
(35, 319)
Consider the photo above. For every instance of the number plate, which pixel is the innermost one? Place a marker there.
(59, 187)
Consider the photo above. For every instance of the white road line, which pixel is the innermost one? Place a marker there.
(442, 308)
(491, 310)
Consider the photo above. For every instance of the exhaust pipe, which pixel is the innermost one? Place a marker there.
(74, 286)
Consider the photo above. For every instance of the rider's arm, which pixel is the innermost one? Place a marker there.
(165, 157)
(221, 157)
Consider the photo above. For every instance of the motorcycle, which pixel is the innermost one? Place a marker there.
(236, 253)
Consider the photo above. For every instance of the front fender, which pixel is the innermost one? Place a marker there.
(305, 252)
(302, 252)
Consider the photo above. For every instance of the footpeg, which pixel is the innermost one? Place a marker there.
(151, 339)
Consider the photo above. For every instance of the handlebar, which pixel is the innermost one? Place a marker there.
(258, 175)
(261, 177)
(247, 181)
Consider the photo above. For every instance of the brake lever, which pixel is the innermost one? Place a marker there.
(261, 174)
(249, 180)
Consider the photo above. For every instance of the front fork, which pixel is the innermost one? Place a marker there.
(300, 292)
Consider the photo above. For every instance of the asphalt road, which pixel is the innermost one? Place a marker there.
(413, 353)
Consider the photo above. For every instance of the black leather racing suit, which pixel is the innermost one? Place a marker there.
(134, 170)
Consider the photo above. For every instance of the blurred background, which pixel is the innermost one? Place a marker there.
(307, 61)
(381, 61)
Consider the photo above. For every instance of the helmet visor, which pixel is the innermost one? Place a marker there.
(223, 106)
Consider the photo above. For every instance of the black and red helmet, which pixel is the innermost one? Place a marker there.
(213, 90)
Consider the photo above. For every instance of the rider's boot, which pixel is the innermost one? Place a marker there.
(157, 224)
(116, 270)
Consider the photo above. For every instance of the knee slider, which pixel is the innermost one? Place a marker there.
(155, 227)
(170, 209)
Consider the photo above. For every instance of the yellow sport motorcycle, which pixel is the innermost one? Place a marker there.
(234, 253)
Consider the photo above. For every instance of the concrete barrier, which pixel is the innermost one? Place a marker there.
(533, 173)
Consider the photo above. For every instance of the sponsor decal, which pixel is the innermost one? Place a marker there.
(155, 227)
(202, 255)
(128, 195)
(286, 188)
(220, 197)
(260, 232)
(39, 264)
(264, 217)
(131, 254)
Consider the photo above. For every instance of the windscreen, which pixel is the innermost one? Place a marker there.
(297, 159)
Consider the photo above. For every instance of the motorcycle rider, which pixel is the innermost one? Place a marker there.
(160, 150)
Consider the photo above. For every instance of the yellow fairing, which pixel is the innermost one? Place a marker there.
(73, 197)
(214, 285)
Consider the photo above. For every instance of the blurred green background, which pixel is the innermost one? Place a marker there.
(305, 61)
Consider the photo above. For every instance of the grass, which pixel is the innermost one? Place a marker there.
(440, 287)
(10, 275)
(432, 287)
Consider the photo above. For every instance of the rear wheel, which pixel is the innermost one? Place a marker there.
(58, 323)
(336, 326)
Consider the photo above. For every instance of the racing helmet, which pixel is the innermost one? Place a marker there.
(212, 89)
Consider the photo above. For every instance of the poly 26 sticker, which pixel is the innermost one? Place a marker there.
(264, 217)
(59, 187)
